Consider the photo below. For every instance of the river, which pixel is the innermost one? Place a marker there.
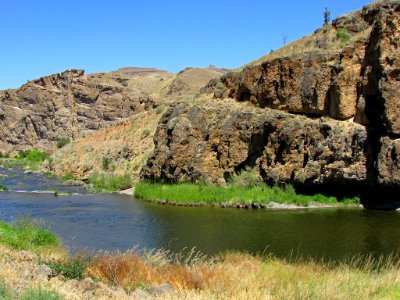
(120, 222)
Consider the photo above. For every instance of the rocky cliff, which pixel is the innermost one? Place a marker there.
(72, 104)
(69, 104)
(326, 119)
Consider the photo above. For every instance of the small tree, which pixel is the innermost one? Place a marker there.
(284, 38)
(327, 16)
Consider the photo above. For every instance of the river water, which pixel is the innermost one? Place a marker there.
(120, 222)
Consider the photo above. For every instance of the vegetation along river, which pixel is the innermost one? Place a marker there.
(120, 222)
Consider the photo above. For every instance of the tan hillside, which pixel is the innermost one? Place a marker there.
(126, 144)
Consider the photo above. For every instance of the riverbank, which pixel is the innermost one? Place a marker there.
(243, 190)
(29, 272)
(256, 196)
(35, 161)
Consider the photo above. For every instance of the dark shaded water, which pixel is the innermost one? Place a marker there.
(113, 221)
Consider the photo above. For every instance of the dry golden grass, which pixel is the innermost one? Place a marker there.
(123, 143)
(227, 276)
(243, 276)
(323, 40)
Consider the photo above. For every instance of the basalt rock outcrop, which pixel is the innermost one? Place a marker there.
(321, 120)
(194, 143)
(69, 104)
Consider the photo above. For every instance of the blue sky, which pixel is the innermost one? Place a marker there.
(42, 37)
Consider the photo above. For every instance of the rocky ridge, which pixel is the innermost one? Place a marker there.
(74, 105)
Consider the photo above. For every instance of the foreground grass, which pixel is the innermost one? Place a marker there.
(38, 293)
(230, 275)
(26, 235)
(188, 193)
(243, 276)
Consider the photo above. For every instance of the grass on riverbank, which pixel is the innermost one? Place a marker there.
(26, 235)
(107, 182)
(260, 194)
(29, 159)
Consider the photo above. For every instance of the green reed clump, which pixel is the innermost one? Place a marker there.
(100, 182)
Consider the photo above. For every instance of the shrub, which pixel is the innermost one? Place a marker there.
(145, 133)
(159, 109)
(105, 163)
(73, 268)
(343, 35)
(246, 178)
(62, 142)
(33, 156)
(220, 86)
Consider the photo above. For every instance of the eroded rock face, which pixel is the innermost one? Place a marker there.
(317, 84)
(68, 104)
(388, 43)
(195, 144)
(388, 163)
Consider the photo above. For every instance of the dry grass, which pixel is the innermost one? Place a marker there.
(323, 40)
(227, 276)
(122, 143)
(243, 276)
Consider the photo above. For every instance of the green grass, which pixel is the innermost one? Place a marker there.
(145, 133)
(3, 188)
(343, 35)
(50, 174)
(40, 294)
(68, 176)
(5, 292)
(27, 235)
(34, 156)
(189, 193)
(29, 159)
(107, 182)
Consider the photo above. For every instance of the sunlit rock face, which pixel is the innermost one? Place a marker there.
(320, 120)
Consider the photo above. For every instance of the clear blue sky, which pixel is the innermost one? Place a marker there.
(43, 37)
